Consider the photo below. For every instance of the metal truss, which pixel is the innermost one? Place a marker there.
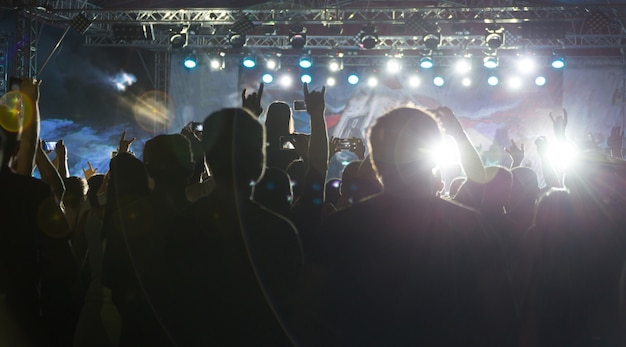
(27, 36)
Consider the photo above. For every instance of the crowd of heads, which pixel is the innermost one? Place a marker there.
(234, 236)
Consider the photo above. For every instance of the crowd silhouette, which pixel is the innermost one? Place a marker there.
(233, 236)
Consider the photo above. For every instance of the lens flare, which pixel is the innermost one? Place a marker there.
(562, 154)
(16, 111)
(154, 110)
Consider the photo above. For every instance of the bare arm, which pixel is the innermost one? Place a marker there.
(318, 143)
(30, 132)
(61, 158)
(49, 173)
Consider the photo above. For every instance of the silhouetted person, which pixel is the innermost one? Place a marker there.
(406, 268)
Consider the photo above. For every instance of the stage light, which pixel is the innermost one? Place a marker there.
(372, 81)
(466, 81)
(249, 61)
(426, 63)
(432, 40)
(562, 154)
(335, 64)
(297, 37)
(305, 61)
(272, 63)
(490, 62)
(558, 62)
(463, 66)
(368, 37)
(286, 80)
(526, 64)
(438, 81)
(414, 81)
(330, 81)
(514, 82)
(494, 38)
(178, 40)
(540, 81)
(216, 61)
(353, 79)
(267, 78)
(393, 66)
(306, 78)
(237, 40)
(493, 80)
(190, 61)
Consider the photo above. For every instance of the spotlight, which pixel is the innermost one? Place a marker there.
(426, 63)
(353, 79)
(237, 40)
(368, 37)
(297, 37)
(178, 40)
(466, 81)
(540, 81)
(463, 66)
(335, 65)
(432, 40)
(490, 62)
(515, 82)
(494, 38)
(249, 61)
(305, 61)
(286, 80)
(526, 64)
(414, 81)
(438, 81)
(272, 63)
(393, 65)
(372, 81)
(493, 80)
(330, 81)
(562, 153)
(216, 61)
(267, 78)
(190, 61)
(306, 78)
(558, 62)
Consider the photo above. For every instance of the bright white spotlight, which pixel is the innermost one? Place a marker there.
(272, 63)
(526, 65)
(438, 81)
(267, 78)
(463, 66)
(286, 81)
(216, 63)
(353, 79)
(190, 61)
(540, 81)
(372, 81)
(393, 66)
(414, 81)
(493, 80)
(305, 62)
(490, 62)
(249, 61)
(558, 63)
(466, 81)
(335, 65)
(515, 82)
(562, 154)
(306, 78)
(446, 152)
(330, 81)
(426, 62)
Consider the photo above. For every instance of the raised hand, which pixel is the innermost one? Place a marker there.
(448, 120)
(559, 124)
(60, 149)
(314, 100)
(516, 152)
(615, 141)
(124, 143)
(90, 171)
(252, 102)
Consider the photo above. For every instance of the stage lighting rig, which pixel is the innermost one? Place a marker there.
(368, 37)
(494, 38)
(297, 37)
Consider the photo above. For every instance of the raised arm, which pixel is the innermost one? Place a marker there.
(49, 173)
(30, 133)
(124, 145)
(470, 160)
(61, 159)
(252, 102)
(559, 123)
(516, 152)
